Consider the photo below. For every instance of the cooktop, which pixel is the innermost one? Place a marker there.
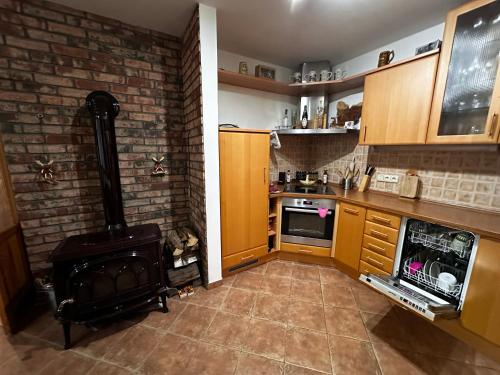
(314, 189)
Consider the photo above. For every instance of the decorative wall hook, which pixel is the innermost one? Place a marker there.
(158, 168)
(46, 173)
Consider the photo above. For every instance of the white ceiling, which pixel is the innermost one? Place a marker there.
(286, 32)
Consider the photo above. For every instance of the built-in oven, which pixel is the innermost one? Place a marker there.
(431, 270)
(308, 221)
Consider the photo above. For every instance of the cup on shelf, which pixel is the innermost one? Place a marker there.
(446, 281)
(325, 75)
(312, 76)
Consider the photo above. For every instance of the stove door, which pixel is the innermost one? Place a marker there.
(420, 302)
(305, 226)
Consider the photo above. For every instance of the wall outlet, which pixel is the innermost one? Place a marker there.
(392, 178)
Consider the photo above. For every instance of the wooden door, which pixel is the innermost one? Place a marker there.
(349, 235)
(397, 103)
(244, 177)
(481, 310)
(466, 102)
(15, 275)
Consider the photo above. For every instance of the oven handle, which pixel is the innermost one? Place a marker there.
(305, 210)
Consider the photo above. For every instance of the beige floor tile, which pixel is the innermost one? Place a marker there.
(180, 351)
(279, 268)
(248, 280)
(266, 338)
(296, 370)
(395, 361)
(335, 277)
(388, 329)
(351, 356)
(249, 364)
(338, 296)
(271, 307)
(227, 329)
(212, 360)
(103, 368)
(159, 319)
(239, 301)
(307, 291)
(134, 347)
(306, 315)
(305, 272)
(193, 321)
(261, 269)
(278, 286)
(208, 298)
(308, 349)
(345, 322)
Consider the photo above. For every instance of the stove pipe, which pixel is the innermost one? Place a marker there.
(104, 108)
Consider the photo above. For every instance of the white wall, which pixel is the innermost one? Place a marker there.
(250, 108)
(403, 48)
(208, 52)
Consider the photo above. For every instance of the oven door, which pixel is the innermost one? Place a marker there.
(305, 226)
(407, 296)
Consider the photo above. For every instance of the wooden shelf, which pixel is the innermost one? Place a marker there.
(271, 233)
(272, 215)
(297, 89)
(256, 83)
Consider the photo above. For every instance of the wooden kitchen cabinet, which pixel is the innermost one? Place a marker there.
(481, 310)
(397, 103)
(244, 189)
(350, 227)
(466, 101)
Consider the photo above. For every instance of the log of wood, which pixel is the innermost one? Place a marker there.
(184, 275)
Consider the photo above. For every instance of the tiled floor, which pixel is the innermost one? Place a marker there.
(279, 318)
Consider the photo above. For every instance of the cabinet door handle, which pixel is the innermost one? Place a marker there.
(351, 211)
(376, 233)
(364, 133)
(248, 257)
(381, 219)
(264, 175)
(493, 126)
(304, 251)
(376, 248)
(375, 262)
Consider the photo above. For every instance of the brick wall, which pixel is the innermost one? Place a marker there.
(191, 72)
(51, 57)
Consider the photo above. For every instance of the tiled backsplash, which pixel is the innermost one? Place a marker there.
(460, 177)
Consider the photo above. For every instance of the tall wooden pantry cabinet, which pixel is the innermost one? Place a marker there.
(244, 188)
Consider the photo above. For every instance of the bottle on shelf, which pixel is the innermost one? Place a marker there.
(325, 177)
(294, 119)
(285, 120)
(288, 177)
(304, 118)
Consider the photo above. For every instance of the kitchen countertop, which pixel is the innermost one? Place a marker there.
(482, 222)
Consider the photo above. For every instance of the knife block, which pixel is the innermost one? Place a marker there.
(365, 183)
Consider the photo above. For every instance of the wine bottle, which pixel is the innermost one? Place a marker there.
(304, 118)
(285, 120)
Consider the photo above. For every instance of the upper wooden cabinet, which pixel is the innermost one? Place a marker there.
(244, 189)
(481, 310)
(397, 102)
(466, 101)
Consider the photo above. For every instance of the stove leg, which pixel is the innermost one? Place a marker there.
(67, 335)
(164, 303)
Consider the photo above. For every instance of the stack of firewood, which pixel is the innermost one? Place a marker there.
(182, 254)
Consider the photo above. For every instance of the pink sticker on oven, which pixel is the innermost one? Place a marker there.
(322, 212)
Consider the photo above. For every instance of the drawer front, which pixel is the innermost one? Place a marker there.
(377, 260)
(378, 246)
(366, 268)
(305, 249)
(385, 219)
(244, 256)
(381, 232)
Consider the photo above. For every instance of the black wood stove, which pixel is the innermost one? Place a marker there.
(99, 276)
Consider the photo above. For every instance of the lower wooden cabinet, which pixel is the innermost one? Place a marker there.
(350, 227)
(244, 257)
(305, 249)
(481, 310)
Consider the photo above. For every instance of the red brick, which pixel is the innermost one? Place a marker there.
(43, 13)
(142, 100)
(49, 37)
(113, 78)
(88, 24)
(21, 19)
(10, 29)
(140, 82)
(65, 29)
(10, 4)
(54, 80)
(58, 100)
(32, 67)
(73, 92)
(18, 96)
(70, 51)
(62, 139)
(91, 85)
(13, 52)
(26, 43)
(142, 116)
(137, 64)
(122, 89)
(104, 38)
(73, 72)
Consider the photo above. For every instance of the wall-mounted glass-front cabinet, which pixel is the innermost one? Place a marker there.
(466, 102)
